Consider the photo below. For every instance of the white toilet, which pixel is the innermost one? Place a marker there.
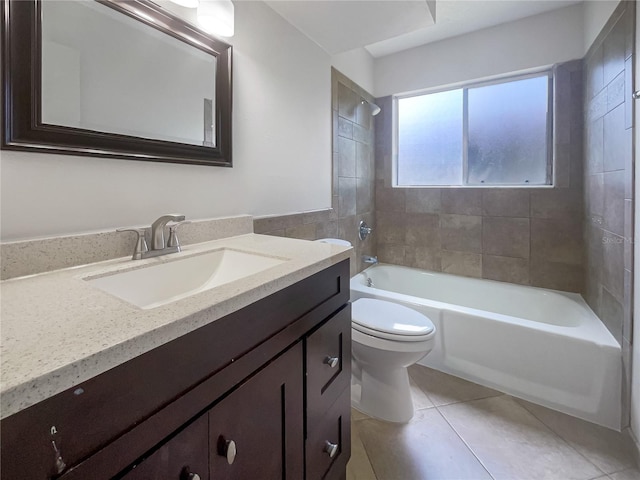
(386, 339)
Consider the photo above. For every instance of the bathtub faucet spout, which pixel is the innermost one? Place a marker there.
(369, 259)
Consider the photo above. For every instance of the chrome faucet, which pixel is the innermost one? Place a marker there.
(156, 232)
(369, 259)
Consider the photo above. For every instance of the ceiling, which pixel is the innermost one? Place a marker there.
(342, 25)
(384, 27)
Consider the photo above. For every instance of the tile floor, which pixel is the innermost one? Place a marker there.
(464, 431)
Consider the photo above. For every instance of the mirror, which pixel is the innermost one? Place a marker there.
(118, 79)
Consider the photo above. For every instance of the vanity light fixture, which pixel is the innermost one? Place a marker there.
(217, 17)
(187, 3)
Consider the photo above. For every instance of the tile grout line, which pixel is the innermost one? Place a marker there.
(452, 403)
(470, 400)
(502, 394)
(463, 440)
(364, 446)
(560, 437)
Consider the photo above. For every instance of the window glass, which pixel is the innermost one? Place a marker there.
(507, 133)
(430, 139)
(496, 134)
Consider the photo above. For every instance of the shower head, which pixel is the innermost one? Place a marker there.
(372, 107)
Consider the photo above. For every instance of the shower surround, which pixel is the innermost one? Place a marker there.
(608, 173)
(529, 236)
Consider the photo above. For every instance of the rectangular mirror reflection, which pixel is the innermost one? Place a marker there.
(105, 71)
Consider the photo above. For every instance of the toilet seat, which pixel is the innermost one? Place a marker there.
(391, 321)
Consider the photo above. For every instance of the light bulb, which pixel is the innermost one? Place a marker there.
(217, 17)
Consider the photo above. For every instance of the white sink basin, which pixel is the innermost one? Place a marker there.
(163, 283)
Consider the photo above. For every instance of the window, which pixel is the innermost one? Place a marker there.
(487, 134)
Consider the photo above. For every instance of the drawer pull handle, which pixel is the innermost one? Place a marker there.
(330, 448)
(331, 361)
(187, 475)
(227, 448)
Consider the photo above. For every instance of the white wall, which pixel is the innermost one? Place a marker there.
(536, 41)
(596, 14)
(281, 141)
(635, 368)
(357, 64)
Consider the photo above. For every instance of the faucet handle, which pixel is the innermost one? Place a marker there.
(173, 238)
(141, 243)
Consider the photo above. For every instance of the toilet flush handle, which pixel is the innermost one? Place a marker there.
(331, 361)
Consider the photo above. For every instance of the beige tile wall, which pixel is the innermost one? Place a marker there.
(353, 185)
(525, 236)
(608, 199)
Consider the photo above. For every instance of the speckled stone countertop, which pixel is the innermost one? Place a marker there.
(58, 330)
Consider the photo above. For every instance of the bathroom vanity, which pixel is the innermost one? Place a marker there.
(259, 391)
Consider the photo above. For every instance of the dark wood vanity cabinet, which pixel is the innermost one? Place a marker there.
(261, 393)
(328, 413)
(254, 432)
(262, 419)
(185, 454)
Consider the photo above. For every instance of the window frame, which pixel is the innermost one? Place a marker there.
(465, 86)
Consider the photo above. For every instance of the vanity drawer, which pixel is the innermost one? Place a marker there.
(333, 431)
(328, 364)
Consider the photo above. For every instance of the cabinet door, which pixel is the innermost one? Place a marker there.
(181, 458)
(328, 365)
(262, 423)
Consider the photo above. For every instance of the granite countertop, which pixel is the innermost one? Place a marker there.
(58, 330)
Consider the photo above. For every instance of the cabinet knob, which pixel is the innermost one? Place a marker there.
(330, 448)
(186, 474)
(227, 448)
(331, 361)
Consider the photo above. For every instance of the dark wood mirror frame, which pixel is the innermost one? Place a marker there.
(22, 127)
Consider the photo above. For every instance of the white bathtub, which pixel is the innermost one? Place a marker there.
(544, 346)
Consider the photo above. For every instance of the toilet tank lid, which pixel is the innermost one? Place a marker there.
(390, 317)
(335, 241)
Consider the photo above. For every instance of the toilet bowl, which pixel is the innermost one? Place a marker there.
(386, 339)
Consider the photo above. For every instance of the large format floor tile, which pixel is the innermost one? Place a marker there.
(513, 444)
(359, 467)
(609, 450)
(632, 474)
(427, 448)
(443, 389)
(464, 431)
(420, 399)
